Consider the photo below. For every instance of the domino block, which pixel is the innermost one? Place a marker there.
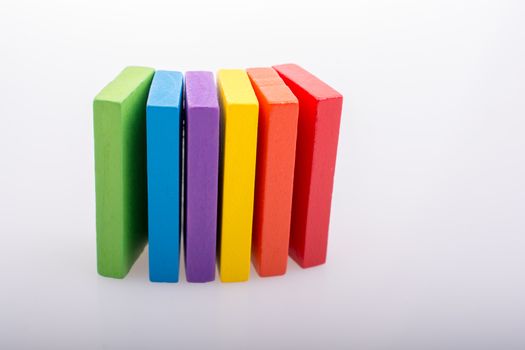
(277, 132)
(239, 118)
(119, 120)
(202, 168)
(318, 132)
(163, 118)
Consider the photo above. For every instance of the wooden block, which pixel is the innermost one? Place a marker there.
(277, 132)
(163, 125)
(119, 118)
(239, 116)
(318, 132)
(202, 171)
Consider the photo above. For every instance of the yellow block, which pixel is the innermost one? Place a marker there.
(239, 119)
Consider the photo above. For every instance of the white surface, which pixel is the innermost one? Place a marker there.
(427, 245)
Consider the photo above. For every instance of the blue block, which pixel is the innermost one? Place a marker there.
(163, 131)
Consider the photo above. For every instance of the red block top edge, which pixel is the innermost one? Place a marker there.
(307, 81)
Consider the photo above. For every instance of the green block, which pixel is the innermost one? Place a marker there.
(119, 118)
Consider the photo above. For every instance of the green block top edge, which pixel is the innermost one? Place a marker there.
(124, 84)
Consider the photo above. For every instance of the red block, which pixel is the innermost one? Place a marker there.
(318, 132)
(276, 139)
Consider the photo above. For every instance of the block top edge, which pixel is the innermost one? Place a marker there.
(307, 81)
(166, 89)
(201, 90)
(125, 83)
(235, 87)
(270, 85)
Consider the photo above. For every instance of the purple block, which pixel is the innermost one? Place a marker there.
(202, 169)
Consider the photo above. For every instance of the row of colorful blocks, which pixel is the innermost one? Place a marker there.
(253, 155)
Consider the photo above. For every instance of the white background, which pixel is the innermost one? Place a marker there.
(427, 237)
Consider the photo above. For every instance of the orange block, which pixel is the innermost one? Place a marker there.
(276, 139)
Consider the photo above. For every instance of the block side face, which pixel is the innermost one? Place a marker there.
(201, 90)
(281, 150)
(109, 188)
(237, 179)
(202, 166)
(322, 180)
(275, 181)
(302, 172)
(260, 181)
(276, 145)
(164, 191)
(306, 81)
(125, 83)
(134, 172)
(166, 89)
